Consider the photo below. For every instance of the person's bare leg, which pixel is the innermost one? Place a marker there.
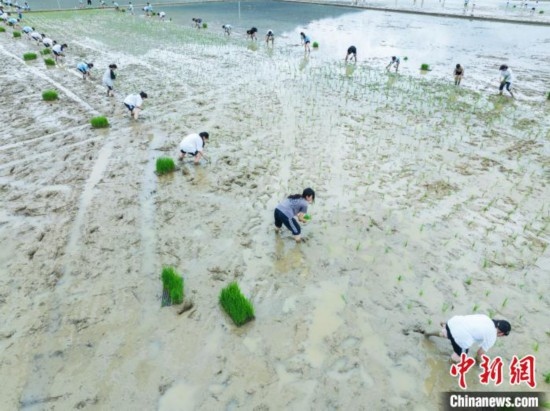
(455, 357)
(298, 238)
(136, 113)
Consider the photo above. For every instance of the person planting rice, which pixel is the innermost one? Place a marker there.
(109, 79)
(12, 21)
(352, 51)
(505, 79)
(84, 68)
(270, 37)
(306, 41)
(197, 21)
(133, 102)
(27, 30)
(37, 36)
(459, 74)
(48, 42)
(293, 208)
(58, 51)
(395, 62)
(251, 33)
(227, 29)
(130, 8)
(193, 144)
(162, 16)
(465, 330)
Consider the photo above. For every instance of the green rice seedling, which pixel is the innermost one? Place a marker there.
(421, 293)
(468, 281)
(49, 95)
(505, 302)
(425, 67)
(546, 377)
(99, 122)
(49, 62)
(29, 56)
(405, 58)
(236, 305)
(536, 346)
(541, 12)
(2, 30)
(165, 165)
(204, 25)
(172, 282)
(475, 308)
(399, 277)
(17, 34)
(45, 52)
(315, 45)
(548, 96)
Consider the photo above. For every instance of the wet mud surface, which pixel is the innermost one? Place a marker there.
(431, 201)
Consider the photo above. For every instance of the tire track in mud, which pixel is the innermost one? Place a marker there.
(47, 364)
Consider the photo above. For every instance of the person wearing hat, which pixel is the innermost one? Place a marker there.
(133, 103)
(193, 144)
(465, 330)
(505, 79)
(293, 209)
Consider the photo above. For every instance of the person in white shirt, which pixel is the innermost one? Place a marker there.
(48, 42)
(109, 79)
(36, 36)
(58, 50)
(505, 79)
(465, 330)
(133, 103)
(162, 16)
(269, 37)
(193, 144)
(227, 29)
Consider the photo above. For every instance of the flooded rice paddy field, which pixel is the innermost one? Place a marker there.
(431, 202)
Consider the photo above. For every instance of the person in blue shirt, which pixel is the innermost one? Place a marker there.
(293, 209)
(395, 62)
(84, 68)
(306, 41)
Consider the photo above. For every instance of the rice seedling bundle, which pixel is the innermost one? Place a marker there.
(172, 283)
(236, 305)
(204, 25)
(45, 51)
(2, 30)
(315, 45)
(165, 165)
(16, 34)
(49, 95)
(49, 62)
(425, 67)
(99, 122)
(29, 56)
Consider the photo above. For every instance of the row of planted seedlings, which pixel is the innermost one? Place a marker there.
(239, 308)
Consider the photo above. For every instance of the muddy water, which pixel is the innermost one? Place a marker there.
(430, 203)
